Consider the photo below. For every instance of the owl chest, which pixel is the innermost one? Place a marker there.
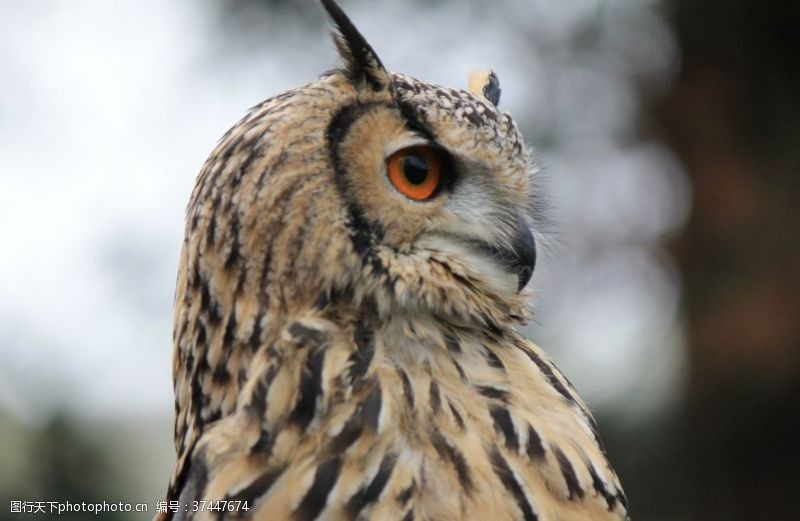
(393, 420)
(436, 420)
(438, 382)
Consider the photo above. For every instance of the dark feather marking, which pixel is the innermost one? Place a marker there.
(569, 384)
(202, 367)
(221, 376)
(364, 339)
(213, 415)
(408, 391)
(406, 494)
(372, 492)
(277, 213)
(211, 227)
(467, 283)
(205, 294)
(219, 164)
(323, 301)
(299, 233)
(209, 304)
(503, 424)
(547, 371)
(275, 164)
(506, 476)
(324, 480)
(435, 397)
(475, 118)
(257, 488)
(255, 336)
(266, 264)
(197, 276)
(456, 416)
(451, 342)
(190, 360)
(601, 489)
(333, 296)
(341, 123)
(178, 337)
(372, 406)
(194, 481)
(241, 375)
(592, 423)
(364, 233)
(535, 449)
(240, 284)
(253, 153)
(230, 330)
(568, 471)
(233, 254)
(493, 392)
(244, 164)
(350, 432)
(595, 431)
(305, 336)
(455, 457)
(258, 400)
(460, 370)
(198, 396)
(492, 327)
(622, 498)
(493, 359)
(415, 121)
(409, 515)
(200, 335)
(269, 169)
(264, 443)
(310, 389)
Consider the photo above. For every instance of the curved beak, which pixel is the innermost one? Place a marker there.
(521, 258)
(524, 253)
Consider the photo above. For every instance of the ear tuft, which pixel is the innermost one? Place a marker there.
(361, 63)
(486, 85)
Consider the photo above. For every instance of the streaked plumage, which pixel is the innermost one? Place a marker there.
(345, 352)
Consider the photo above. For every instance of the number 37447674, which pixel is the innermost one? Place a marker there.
(219, 506)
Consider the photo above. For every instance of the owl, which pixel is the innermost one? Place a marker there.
(355, 263)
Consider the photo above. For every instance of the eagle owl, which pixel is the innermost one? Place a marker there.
(355, 262)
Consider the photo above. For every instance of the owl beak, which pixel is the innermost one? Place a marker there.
(521, 258)
(524, 258)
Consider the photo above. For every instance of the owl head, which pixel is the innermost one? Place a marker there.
(370, 186)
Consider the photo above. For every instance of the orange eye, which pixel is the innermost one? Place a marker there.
(416, 172)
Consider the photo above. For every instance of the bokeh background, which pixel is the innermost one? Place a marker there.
(668, 133)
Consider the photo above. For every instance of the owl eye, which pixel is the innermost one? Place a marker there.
(415, 172)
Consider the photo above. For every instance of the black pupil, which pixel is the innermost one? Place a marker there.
(415, 168)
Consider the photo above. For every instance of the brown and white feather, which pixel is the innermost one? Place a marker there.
(342, 352)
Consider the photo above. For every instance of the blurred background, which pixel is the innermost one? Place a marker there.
(668, 133)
